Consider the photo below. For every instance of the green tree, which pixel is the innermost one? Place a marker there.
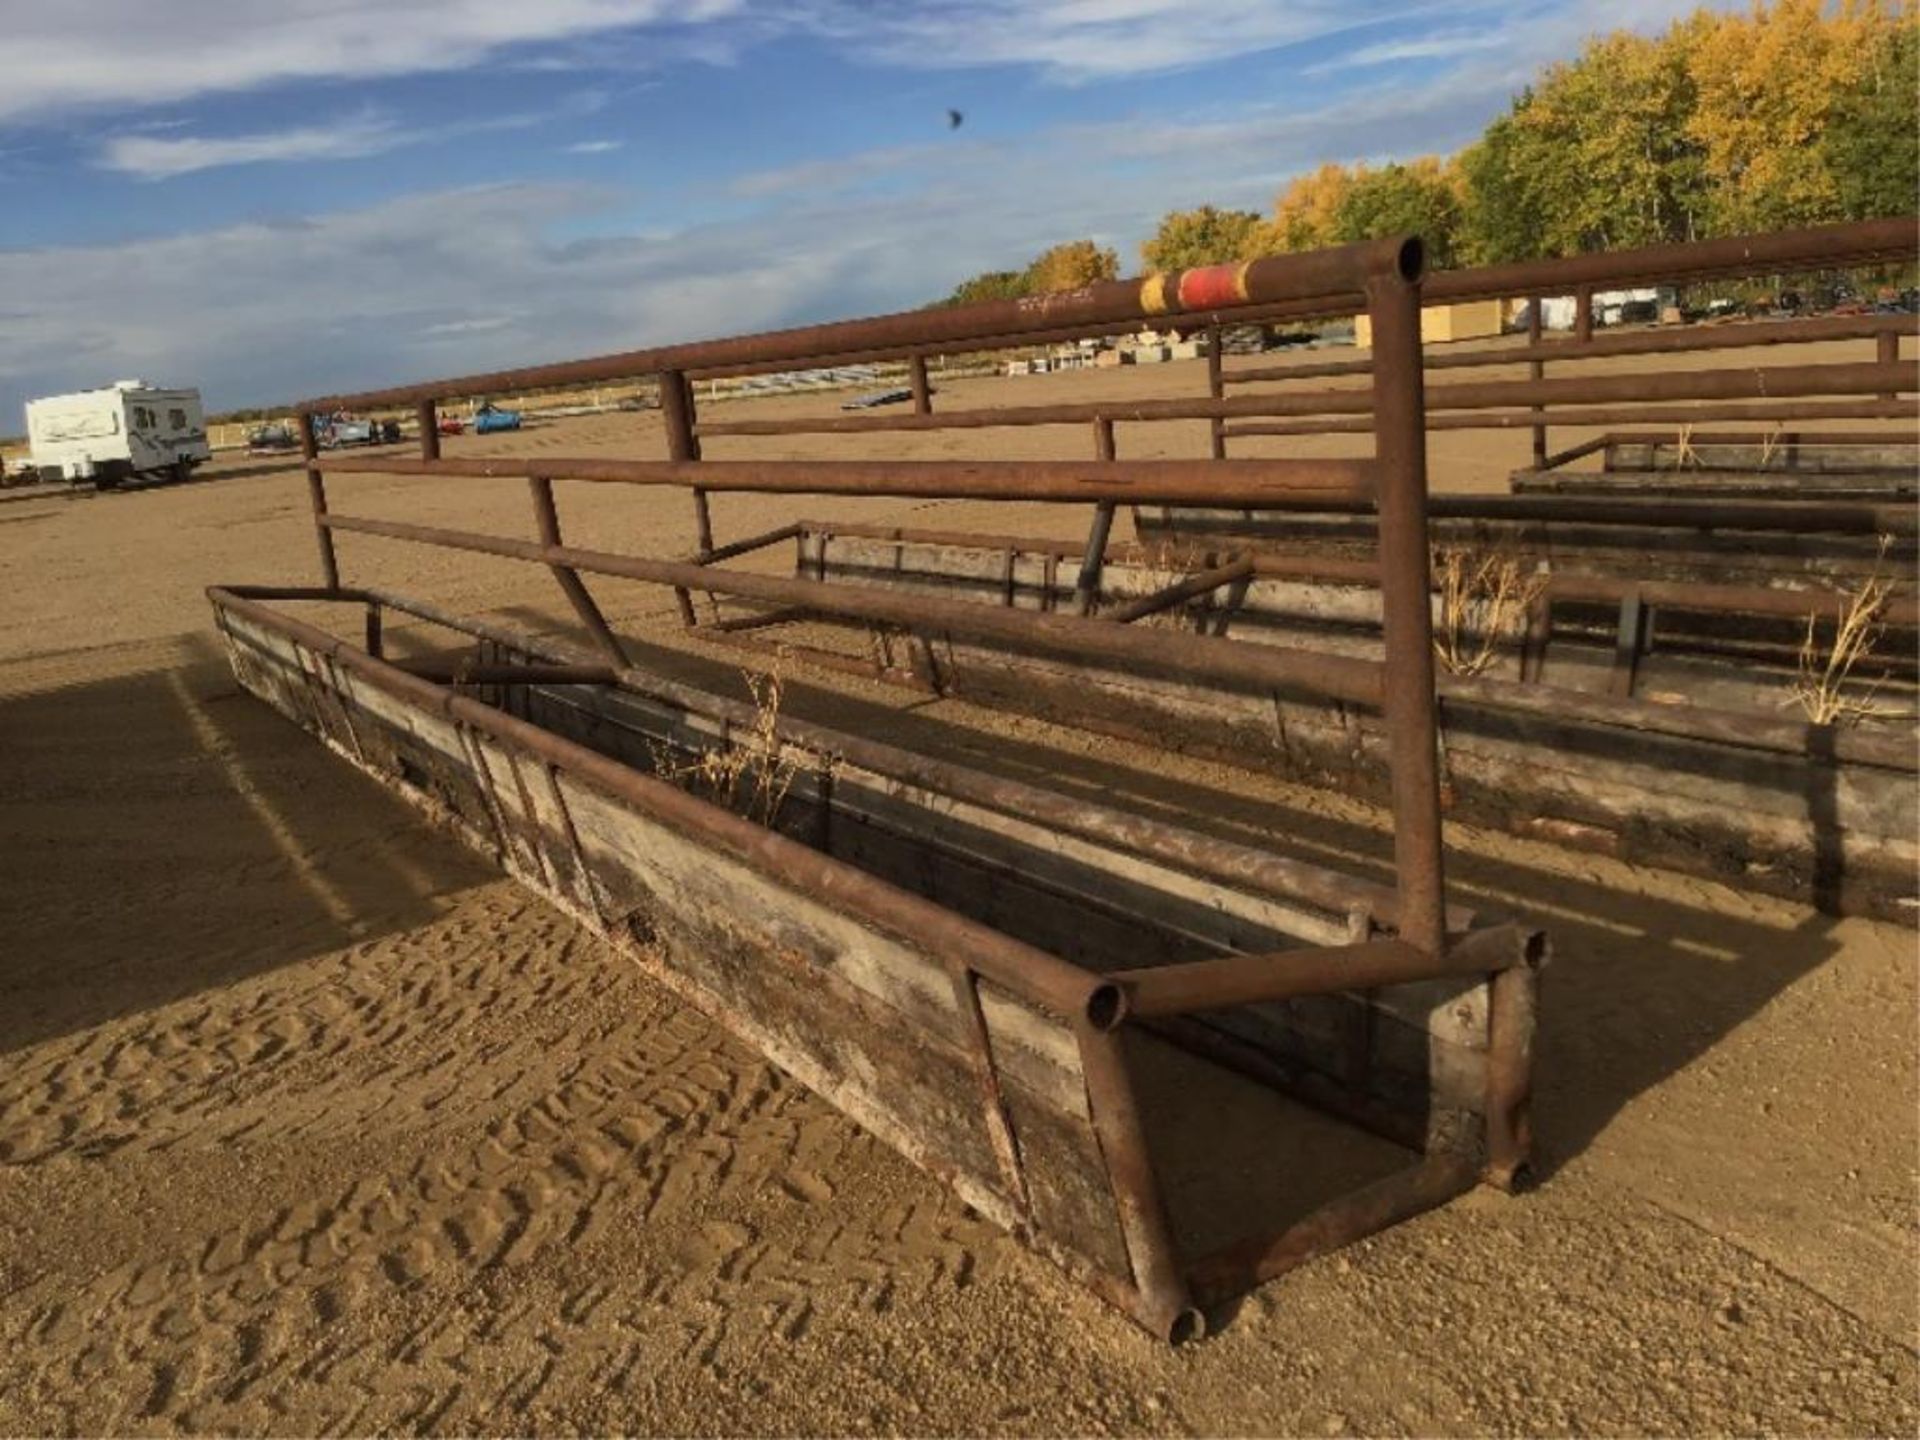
(1499, 217)
(1420, 198)
(992, 285)
(1206, 236)
(1871, 144)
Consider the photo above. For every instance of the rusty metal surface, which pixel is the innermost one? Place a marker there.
(1155, 1292)
(1233, 482)
(1265, 665)
(1340, 271)
(1325, 283)
(1738, 336)
(1866, 379)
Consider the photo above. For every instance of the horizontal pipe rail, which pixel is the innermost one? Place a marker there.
(1648, 342)
(1031, 973)
(1760, 382)
(1823, 247)
(976, 344)
(1832, 517)
(1682, 414)
(1201, 293)
(1140, 482)
(1269, 666)
(1339, 893)
(1200, 657)
(1688, 595)
(1218, 294)
(1230, 980)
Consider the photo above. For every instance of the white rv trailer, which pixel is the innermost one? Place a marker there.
(127, 429)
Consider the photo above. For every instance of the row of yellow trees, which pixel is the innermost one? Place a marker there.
(1794, 113)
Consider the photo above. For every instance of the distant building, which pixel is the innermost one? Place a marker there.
(1467, 320)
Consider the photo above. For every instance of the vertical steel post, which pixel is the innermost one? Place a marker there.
(917, 379)
(1537, 370)
(1406, 596)
(1093, 560)
(317, 493)
(427, 417)
(1164, 1303)
(676, 414)
(1510, 1020)
(1217, 389)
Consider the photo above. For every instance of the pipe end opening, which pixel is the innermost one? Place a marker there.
(1187, 1326)
(1106, 1007)
(1412, 259)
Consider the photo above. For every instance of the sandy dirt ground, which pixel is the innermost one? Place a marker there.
(311, 1122)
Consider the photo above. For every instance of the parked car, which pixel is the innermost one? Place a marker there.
(274, 439)
(452, 425)
(334, 432)
(490, 417)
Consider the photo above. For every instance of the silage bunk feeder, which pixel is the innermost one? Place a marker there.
(1033, 996)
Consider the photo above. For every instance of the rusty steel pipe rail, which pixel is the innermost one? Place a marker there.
(1851, 245)
(1232, 980)
(1336, 280)
(1863, 378)
(1142, 482)
(1678, 414)
(1252, 314)
(1560, 585)
(1836, 517)
(1222, 859)
(1201, 292)
(1041, 978)
(1655, 342)
(1338, 676)
(1754, 732)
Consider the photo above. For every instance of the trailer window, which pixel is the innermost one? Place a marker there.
(177, 419)
(142, 418)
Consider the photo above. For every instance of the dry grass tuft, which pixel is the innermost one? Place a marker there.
(1484, 600)
(751, 773)
(1822, 689)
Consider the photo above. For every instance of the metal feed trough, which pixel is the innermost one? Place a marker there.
(1655, 720)
(1775, 464)
(1012, 985)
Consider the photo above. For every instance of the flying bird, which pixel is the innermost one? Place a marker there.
(954, 117)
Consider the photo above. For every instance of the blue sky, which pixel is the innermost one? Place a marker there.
(273, 200)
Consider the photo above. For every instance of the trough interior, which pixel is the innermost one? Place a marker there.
(1235, 1156)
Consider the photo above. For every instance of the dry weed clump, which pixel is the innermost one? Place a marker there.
(751, 773)
(1822, 688)
(1484, 600)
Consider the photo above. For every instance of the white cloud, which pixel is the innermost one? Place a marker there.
(1077, 40)
(154, 157)
(1430, 47)
(367, 132)
(113, 54)
(124, 54)
(594, 147)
